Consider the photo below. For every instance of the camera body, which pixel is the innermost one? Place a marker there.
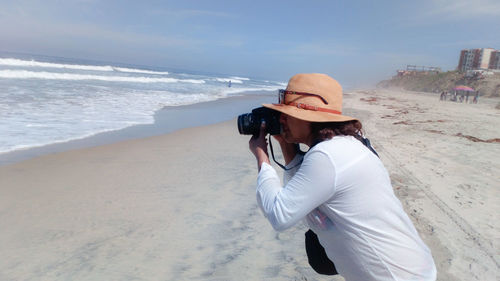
(249, 123)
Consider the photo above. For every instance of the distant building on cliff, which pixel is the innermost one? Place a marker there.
(495, 60)
(481, 59)
(414, 69)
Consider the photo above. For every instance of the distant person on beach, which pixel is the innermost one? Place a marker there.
(358, 227)
(443, 96)
(476, 97)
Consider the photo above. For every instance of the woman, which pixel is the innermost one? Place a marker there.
(339, 187)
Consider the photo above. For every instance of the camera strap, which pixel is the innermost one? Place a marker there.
(297, 148)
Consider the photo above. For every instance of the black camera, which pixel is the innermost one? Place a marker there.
(249, 123)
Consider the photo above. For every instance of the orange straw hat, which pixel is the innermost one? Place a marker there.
(312, 97)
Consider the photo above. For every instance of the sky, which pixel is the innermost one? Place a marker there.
(357, 42)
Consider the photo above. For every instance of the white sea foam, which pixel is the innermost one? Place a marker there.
(226, 80)
(233, 91)
(26, 74)
(33, 63)
(64, 117)
(240, 78)
(133, 70)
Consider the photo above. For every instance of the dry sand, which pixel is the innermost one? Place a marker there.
(182, 206)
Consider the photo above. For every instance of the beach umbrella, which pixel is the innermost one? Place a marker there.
(464, 88)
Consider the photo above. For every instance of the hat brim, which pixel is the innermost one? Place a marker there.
(309, 115)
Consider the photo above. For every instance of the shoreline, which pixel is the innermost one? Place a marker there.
(192, 115)
(166, 120)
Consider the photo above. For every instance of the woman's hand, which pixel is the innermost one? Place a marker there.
(258, 146)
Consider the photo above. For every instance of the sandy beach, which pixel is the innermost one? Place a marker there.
(181, 206)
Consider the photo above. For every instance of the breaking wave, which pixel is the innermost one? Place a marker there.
(33, 63)
(25, 74)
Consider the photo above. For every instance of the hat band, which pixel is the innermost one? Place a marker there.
(312, 107)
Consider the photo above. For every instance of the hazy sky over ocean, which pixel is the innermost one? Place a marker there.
(357, 42)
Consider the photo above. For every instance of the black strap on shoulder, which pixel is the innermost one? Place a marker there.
(367, 143)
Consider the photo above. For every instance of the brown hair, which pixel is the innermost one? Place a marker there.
(326, 130)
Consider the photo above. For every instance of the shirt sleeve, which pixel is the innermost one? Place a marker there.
(312, 185)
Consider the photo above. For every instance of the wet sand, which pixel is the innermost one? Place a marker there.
(167, 120)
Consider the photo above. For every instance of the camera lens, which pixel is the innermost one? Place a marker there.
(246, 124)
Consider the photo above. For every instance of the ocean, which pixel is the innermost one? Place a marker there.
(46, 100)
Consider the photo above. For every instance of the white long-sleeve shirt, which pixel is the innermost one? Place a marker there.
(344, 192)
